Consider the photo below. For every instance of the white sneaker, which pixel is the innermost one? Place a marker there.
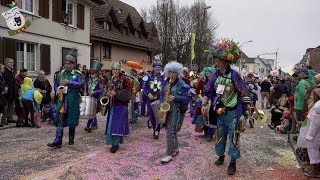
(166, 159)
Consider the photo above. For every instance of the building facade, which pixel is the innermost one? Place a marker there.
(56, 27)
(118, 32)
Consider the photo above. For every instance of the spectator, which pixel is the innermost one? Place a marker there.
(265, 92)
(286, 123)
(300, 99)
(276, 115)
(12, 94)
(280, 89)
(31, 100)
(3, 90)
(44, 86)
(19, 78)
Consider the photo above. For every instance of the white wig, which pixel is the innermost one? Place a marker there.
(175, 67)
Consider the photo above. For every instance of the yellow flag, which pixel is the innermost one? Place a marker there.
(193, 41)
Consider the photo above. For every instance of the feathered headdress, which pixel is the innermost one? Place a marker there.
(225, 49)
(175, 67)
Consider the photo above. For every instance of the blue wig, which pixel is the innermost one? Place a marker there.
(175, 67)
(210, 69)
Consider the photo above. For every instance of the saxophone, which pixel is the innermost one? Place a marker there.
(61, 89)
(105, 100)
(165, 106)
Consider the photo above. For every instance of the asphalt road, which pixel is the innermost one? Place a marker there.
(24, 155)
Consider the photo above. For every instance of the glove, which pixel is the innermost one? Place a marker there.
(150, 96)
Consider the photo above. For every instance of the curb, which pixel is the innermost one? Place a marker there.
(7, 127)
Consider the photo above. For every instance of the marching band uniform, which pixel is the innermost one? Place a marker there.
(226, 89)
(68, 104)
(152, 89)
(117, 121)
(175, 92)
(94, 87)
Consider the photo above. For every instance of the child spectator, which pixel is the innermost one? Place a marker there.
(285, 126)
(30, 100)
(276, 115)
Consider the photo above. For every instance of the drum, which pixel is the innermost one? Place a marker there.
(88, 107)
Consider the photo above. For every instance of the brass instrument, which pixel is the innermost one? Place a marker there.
(105, 100)
(165, 106)
(61, 89)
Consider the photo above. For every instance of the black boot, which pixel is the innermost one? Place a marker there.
(114, 149)
(232, 168)
(72, 132)
(56, 145)
(314, 171)
(219, 161)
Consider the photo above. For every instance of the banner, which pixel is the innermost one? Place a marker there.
(193, 41)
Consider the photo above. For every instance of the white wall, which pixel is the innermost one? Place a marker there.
(56, 50)
(46, 31)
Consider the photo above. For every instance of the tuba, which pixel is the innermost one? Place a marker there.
(105, 100)
(165, 106)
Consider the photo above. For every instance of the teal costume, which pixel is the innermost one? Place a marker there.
(175, 115)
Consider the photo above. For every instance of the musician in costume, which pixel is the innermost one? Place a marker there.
(94, 87)
(118, 91)
(200, 120)
(152, 88)
(68, 111)
(174, 92)
(226, 90)
(134, 105)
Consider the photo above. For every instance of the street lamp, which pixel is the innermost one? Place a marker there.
(240, 62)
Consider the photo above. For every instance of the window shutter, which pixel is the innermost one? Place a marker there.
(45, 58)
(80, 16)
(10, 49)
(44, 8)
(57, 11)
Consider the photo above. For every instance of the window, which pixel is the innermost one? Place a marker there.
(106, 51)
(26, 5)
(26, 56)
(137, 34)
(69, 13)
(107, 26)
(125, 30)
(92, 51)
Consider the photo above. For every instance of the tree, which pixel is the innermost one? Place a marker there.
(175, 23)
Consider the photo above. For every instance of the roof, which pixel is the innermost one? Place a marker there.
(115, 36)
(99, 1)
(266, 63)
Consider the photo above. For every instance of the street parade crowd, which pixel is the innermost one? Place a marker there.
(219, 100)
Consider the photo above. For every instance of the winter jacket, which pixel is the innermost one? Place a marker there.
(11, 84)
(313, 132)
(3, 85)
(279, 90)
(33, 95)
(300, 93)
(265, 86)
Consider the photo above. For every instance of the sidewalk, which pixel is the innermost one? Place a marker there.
(10, 125)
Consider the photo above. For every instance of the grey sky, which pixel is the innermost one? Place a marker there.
(291, 25)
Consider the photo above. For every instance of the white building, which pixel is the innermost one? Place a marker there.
(258, 66)
(56, 27)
